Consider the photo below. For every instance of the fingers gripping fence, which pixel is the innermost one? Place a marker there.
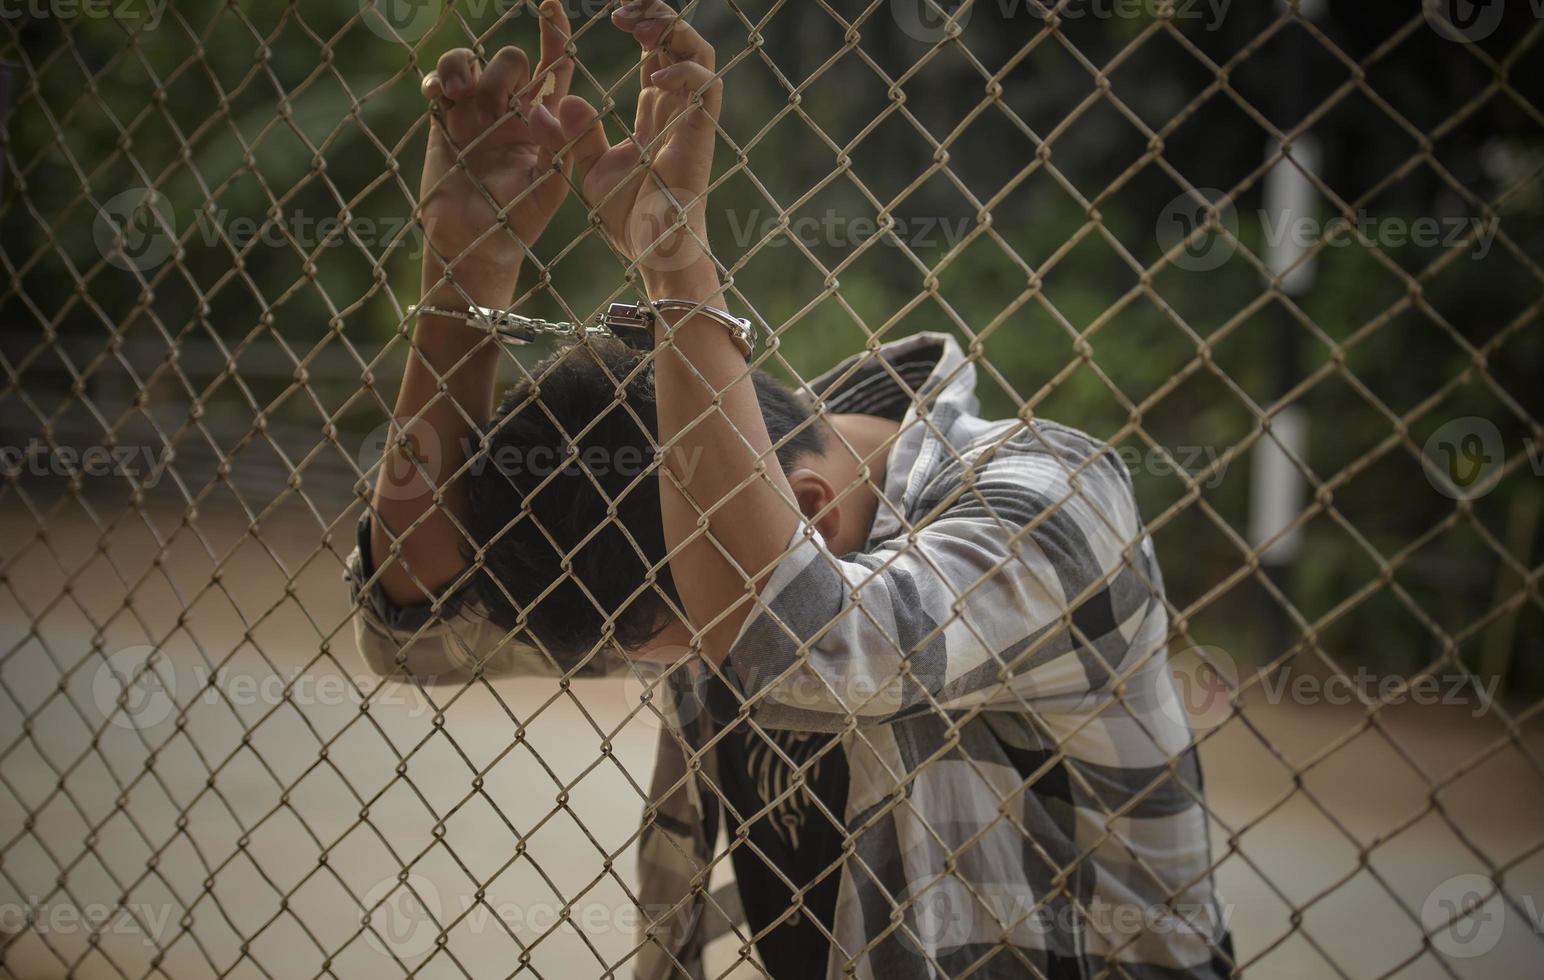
(1283, 260)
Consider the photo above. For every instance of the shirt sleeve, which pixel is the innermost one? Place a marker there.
(450, 641)
(1027, 579)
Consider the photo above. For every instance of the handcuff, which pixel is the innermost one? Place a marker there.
(628, 322)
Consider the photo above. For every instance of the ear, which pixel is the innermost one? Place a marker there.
(814, 494)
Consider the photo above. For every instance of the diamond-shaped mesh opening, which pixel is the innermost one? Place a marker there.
(1279, 262)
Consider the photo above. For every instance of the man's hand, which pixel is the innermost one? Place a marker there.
(678, 107)
(488, 188)
(488, 191)
(704, 398)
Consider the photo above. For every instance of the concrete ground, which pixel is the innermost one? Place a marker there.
(243, 834)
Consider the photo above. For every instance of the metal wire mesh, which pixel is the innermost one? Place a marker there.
(200, 778)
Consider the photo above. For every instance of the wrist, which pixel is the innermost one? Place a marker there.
(699, 283)
(445, 340)
(467, 283)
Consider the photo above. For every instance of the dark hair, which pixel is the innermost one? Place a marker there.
(570, 416)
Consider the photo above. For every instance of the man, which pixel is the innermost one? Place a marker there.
(917, 656)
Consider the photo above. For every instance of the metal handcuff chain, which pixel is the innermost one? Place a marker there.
(626, 322)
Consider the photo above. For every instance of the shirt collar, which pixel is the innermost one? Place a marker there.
(925, 382)
(891, 380)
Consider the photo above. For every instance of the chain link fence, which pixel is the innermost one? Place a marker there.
(1283, 258)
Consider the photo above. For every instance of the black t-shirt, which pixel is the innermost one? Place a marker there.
(796, 836)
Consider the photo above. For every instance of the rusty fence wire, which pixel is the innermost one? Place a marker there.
(1284, 258)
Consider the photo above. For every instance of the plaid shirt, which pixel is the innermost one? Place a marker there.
(1024, 799)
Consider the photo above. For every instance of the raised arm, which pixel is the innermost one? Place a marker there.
(487, 192)
(706, 403)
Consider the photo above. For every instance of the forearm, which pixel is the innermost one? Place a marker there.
(715, 456)
(418, 555)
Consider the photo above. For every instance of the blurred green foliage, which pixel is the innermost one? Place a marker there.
(1033, 245)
